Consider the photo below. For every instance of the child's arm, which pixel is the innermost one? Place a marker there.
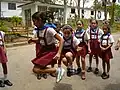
(60, 46)
(109, 46)
(117, 44)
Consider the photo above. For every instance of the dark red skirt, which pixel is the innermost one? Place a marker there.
(45, 57)
(84, 50)
(106, 55)
(3, 56)
(95, 47)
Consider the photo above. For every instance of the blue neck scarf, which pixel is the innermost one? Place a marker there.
(80, 31)
(40, 29)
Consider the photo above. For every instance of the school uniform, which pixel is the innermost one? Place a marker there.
(3, 57)
(69, 45)
(95, 35)
(106, 39)
(83, 37)
(47, 47)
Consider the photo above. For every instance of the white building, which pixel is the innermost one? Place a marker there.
(9, 8)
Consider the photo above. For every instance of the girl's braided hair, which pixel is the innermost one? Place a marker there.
(45, 16)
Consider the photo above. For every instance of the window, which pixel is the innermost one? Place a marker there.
(11, 6)
(92, 12)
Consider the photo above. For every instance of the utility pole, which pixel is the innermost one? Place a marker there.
(83, 9)
(113, 9)
(78, 9)
(65, 11)
(95, 8)
(105, 9)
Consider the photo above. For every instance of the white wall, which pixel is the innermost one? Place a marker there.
(33, 8)
(10, 13)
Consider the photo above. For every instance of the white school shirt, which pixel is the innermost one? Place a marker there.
(2, 37)
(86, 36)
(75, 42)
(110, 40)
(100, 33)
(50, 33)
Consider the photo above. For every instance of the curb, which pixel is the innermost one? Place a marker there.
(16, 44)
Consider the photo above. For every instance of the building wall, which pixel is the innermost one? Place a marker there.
(9, 13)
(33, 8)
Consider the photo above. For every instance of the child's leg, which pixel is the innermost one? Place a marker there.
(103, 65)
(108, 66)
(78, 60)
(97, 62)
(104, 70)
(78, 64)
(38, 70)
(83, 63)
(5, 72)
(65, 62)
(90, 63)
(69, 57)
(83, 68)
(106, 76)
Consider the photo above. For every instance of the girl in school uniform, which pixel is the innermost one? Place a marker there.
(3, 61)
(95, 33)
(106, 53)
(83, 38)
(69, 49)
(49, 54)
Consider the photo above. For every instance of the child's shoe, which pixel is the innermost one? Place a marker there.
(39, 76)
(2, 83)
(68, 72)
(96, 71)
(89, 69)
(78, 70)
(7, 82)
(44, 76)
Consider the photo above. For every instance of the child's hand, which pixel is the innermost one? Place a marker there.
(89, 51)
(103, 49)
(57, 56)
(79, 48)
(29, 41)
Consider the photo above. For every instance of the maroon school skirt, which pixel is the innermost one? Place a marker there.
(45, 57)
(3, 57)
(106, 55)
(95, 47)
(84, 50)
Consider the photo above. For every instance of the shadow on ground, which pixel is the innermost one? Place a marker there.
(62, 86)
(113, 87)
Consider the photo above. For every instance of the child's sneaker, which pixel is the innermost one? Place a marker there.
(2, 83)
(89, 69)
(60, 74)
(78, 70)
(7, 82)
(96, 71)
(44, 76)
(39, 76)
(103, 74)
(68, 72)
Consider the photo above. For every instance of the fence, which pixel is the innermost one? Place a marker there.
(18, 34)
